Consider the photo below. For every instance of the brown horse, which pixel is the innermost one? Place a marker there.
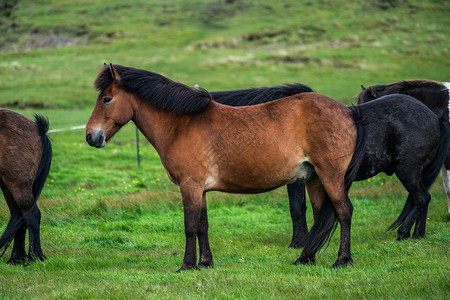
(25, 158)
(206, 146)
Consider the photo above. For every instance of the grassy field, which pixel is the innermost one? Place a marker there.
(113, 230)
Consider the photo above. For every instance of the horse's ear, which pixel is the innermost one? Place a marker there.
(114, 74)
(372, 92)
(362, 87)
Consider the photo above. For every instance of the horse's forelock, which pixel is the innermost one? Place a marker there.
(103, 79)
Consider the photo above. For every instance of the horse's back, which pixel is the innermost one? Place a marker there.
(404, 108)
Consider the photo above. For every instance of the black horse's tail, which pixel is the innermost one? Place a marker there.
(431, 171)
(326, 221)
(16, 220)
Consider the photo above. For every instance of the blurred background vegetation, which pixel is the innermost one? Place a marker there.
(50, 51)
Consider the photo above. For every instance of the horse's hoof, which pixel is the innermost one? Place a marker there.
(186, 268)
(206, 265)
(418, 236)
(32, 259)
(342, 262)
(305, 261)
(17, 261)
(402, 237)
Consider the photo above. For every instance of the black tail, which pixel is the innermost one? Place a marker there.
(46, 160)
(16, 220)
(358, 154)
(326, 221)
(259, 95)
(430, 172)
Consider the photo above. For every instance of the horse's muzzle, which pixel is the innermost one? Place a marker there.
(96, 139)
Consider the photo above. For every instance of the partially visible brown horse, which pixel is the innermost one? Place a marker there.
(25, 158)
(206, 146)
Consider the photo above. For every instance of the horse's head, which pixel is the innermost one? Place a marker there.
(112, 110)
(367, 94)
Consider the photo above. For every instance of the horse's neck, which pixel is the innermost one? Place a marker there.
(159, 127)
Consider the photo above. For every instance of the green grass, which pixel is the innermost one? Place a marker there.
(112, 230)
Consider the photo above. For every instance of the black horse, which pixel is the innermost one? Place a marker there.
(395, 132)
(406, 138)
(433, 94)
(25, 159)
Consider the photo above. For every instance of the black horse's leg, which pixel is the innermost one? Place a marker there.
(206, 259)
(419, 229)
(420, 204)
(316, 193)
(297, 206)
(32, 219)
(18, 254)
(192, 202)
(420, 198)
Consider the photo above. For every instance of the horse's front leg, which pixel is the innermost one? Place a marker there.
(192, 203)
(206, 259)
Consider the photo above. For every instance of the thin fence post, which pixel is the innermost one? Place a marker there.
(137, 148)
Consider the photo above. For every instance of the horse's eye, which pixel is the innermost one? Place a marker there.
(106, 100)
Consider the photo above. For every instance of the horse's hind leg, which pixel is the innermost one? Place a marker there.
(297, 206)
(335, 204)
(344, 212)
(416, 215)
(419, 229)
(18, 254)
(32, 219)
(420, 198)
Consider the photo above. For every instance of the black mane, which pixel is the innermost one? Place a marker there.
(258, 95)
(157, 90)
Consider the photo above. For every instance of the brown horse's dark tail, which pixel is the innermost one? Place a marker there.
(430, 172)
(326, 221)
(46, 159)
(16, 220)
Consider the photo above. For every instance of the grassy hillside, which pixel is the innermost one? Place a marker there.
(112, 230)
(56, 47)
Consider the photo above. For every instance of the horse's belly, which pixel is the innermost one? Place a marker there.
(257, 180)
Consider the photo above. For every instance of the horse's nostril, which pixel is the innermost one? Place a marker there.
(88, 137)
